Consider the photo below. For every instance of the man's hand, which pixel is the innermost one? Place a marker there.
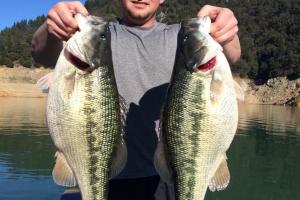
(224, 30)
(60, 21)
(224, 24)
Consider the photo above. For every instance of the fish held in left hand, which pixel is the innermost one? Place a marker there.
(84, 112)
(200, 116)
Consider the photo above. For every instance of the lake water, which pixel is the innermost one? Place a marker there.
(264, 158)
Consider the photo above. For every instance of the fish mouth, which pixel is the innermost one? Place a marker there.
(76, 61)
(206, 67)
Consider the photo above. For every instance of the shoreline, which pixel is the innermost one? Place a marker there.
(24, 90)
(21, 82)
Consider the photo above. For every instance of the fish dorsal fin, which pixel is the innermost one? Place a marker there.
(45, 82)
(120, 154)
(62, 172)
(221, 178)
(239, 91)
(161, 163)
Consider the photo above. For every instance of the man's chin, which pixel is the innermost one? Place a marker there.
(139, 18)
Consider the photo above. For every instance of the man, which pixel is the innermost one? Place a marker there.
(143, 56)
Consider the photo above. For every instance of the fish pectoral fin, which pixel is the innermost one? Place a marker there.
(161, 164)
(119, 158)
(69, 83)
(239, 91)
(216, 90)
(45, 82)
(221, 178)
(62, 172)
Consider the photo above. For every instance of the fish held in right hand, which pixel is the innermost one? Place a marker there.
(84, 112)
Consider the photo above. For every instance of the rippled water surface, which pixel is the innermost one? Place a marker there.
(264, 158)
(26, 151)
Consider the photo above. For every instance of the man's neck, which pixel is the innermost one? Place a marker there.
(142, 24)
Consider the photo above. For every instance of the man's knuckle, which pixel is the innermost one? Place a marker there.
(236, 29)
(206, 6)
(235, 21)
(77, 2)
(49, 22)
(228, 11)
(51, 13)
(69, 20)
(59, 4)
(218, 26)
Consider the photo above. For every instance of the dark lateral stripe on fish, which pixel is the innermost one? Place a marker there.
(92, 143)
(184, 160)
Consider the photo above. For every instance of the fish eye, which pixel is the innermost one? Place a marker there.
(103, 36)
(95, 23)
(185, 38)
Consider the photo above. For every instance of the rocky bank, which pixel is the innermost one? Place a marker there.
(276, 91)
(20, 82)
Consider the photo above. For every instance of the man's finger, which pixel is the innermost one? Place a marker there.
(53, 16)
(67, 17)
(77, 7)
(54, 29)
(227, 37)
(217, 33)
(211, 11)
(224, 17)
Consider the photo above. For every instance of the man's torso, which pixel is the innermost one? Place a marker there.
(143, 60)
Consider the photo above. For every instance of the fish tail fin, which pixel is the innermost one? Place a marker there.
(221, 178)
(62, 172)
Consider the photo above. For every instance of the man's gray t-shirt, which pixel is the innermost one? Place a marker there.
(143, 60)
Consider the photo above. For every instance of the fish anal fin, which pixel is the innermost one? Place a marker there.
(123, 111)
(120, 155)
(161, 164)
(62, 172)
(238, 91)
(119, 158)
(221, 178)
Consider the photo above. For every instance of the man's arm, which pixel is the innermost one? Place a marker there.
(224, 30)
(59, 26)
(232, 50)
(45, 47)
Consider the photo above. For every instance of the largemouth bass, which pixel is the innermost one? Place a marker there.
(84, 112)
(200, 116)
